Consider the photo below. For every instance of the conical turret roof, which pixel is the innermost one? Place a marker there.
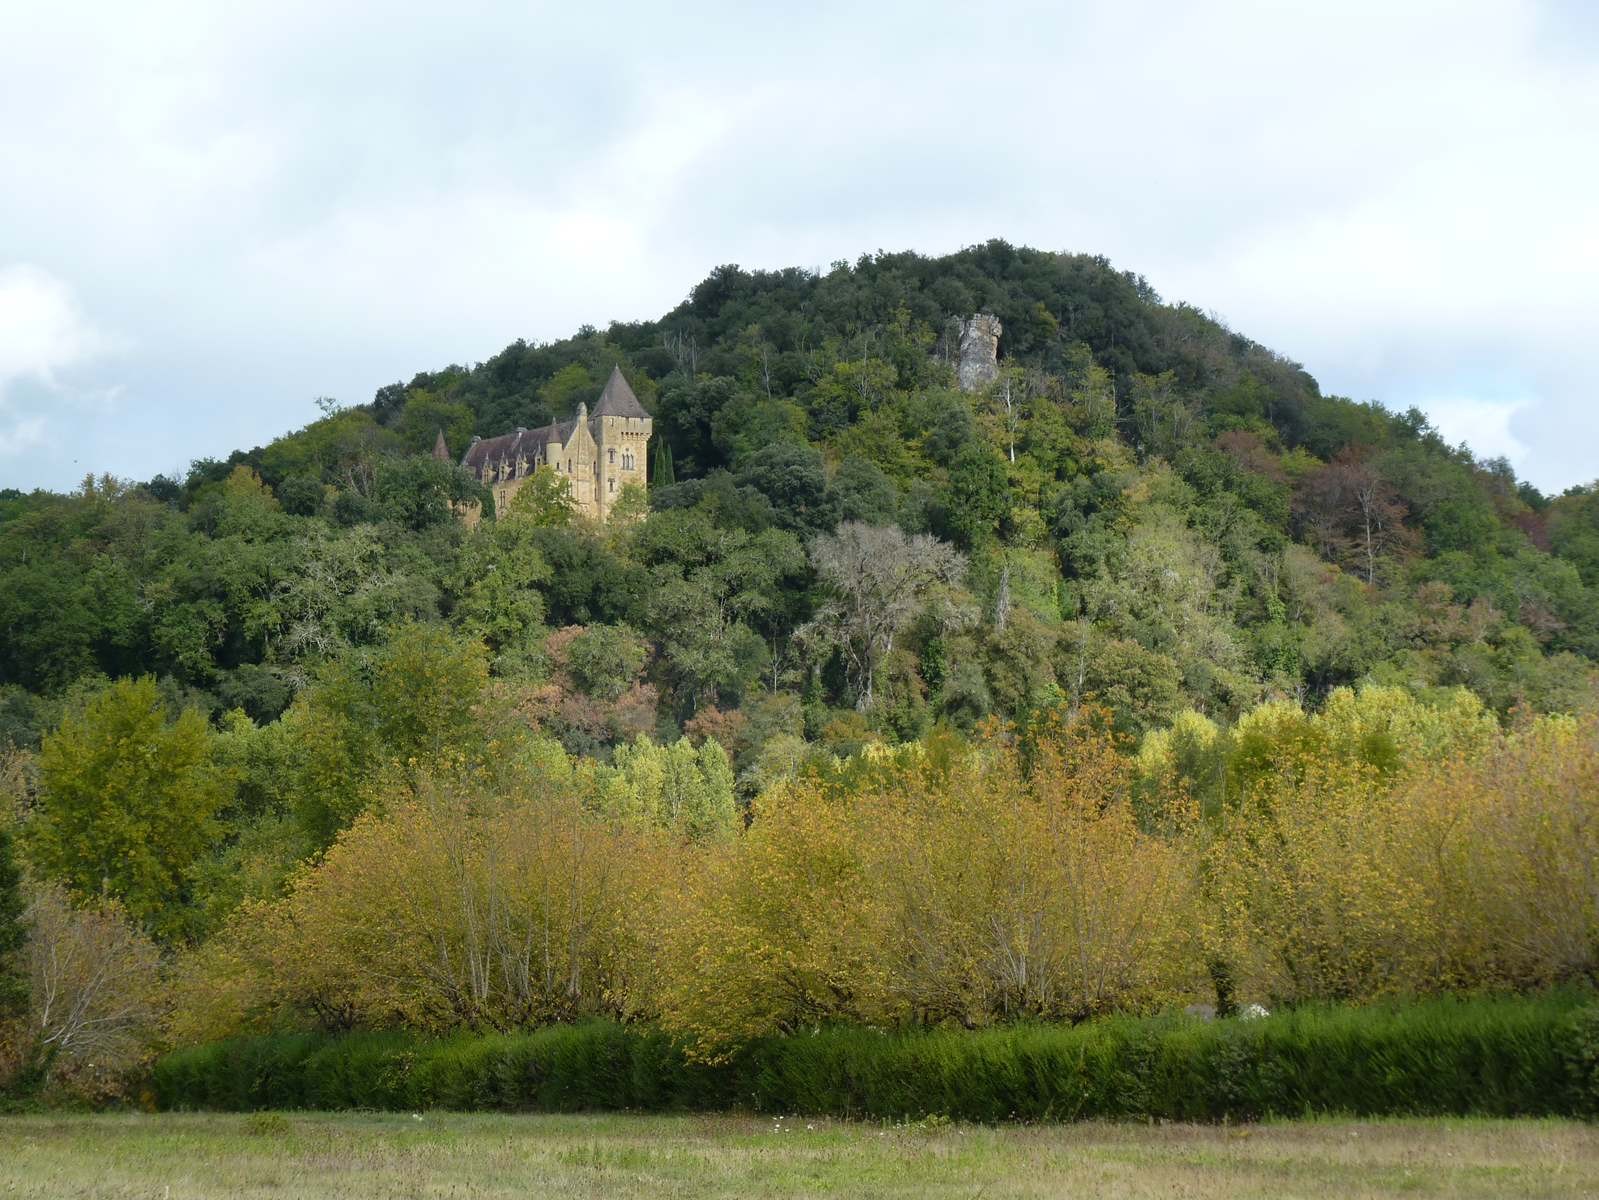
(618, 400)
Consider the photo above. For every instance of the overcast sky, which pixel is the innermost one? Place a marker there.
(211, 214)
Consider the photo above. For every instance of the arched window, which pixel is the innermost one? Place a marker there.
(612, 453)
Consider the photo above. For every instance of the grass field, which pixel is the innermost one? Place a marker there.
(317, 1156)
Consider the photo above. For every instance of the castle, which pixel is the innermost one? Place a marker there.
(598, 453)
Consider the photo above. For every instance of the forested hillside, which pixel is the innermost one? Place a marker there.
(1147, 534)
(1146, 507)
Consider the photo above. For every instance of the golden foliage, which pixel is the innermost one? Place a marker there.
(450, 909)
(1476, 870)
(1376, 848)
(946, 883)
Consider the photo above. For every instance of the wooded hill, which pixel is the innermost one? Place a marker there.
(1146, 507)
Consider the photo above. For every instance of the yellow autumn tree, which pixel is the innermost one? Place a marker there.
(446, 907)
(939, 883)
(1474, 869)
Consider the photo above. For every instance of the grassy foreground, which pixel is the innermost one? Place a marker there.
(471, 1156)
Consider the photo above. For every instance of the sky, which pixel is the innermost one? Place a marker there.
(212, 214)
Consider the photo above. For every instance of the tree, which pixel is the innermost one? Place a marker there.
(92, 978)
(13, 934)
(792, 478)
(679, 787)
(979, 495)
(408, 704)
(1353, 516)
(862, 492)
(605, 660)
(496, 582)
(877, 577)
(126, 800)
(425, 416)
(684, 424)
(544, 501)
(715, 592)
(663, 474)
(417, 493)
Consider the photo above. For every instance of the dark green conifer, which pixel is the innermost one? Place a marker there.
(663, 475)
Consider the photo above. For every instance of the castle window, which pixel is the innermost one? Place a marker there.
(613, 454)
(612, 482)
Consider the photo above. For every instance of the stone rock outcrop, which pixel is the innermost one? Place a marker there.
(979, 352)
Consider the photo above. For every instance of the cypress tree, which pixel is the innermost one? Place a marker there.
(665, 475)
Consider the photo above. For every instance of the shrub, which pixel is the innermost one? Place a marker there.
(1489, 1057)
(1337, 881)
(451, 910)
(938, 883)
(92, 987)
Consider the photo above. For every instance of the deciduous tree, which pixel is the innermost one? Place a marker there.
(126, 801)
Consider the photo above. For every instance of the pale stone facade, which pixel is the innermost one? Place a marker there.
(598, 453)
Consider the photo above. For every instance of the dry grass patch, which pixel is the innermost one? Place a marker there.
(482, 1157)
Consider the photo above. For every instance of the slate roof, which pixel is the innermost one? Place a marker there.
(618, 400)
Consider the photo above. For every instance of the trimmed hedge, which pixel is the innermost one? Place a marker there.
(1490, 1057)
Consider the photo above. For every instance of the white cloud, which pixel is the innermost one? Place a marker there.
(42, 329)
(44, 338)
(20, 436)
(283, 199)
(1483, 424)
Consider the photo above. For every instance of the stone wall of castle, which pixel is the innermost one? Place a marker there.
(600, 457)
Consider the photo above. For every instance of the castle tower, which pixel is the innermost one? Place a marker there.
(622, 432)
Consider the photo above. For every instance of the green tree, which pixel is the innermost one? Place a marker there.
(13, 935)
(425, 415)
(409, 704)
(679, 787)
(496, 583)
(126, 801)
(605, 660)
(417, 493)
(544, 502)
(979, 495)
(715, 592)
(663, 474)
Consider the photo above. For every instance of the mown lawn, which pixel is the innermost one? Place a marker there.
(179, 1156)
